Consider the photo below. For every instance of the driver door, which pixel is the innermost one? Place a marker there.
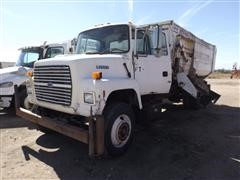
(153, 63)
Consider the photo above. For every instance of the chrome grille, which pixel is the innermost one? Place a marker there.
(53, 84)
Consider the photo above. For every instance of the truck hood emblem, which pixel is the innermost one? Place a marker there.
(102, 67)
(50, 84)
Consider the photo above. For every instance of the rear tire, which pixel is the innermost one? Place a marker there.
(119, 124)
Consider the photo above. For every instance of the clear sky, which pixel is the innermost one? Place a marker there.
(31, 22)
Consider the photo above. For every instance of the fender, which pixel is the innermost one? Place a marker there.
(17, 80)
(109, 86)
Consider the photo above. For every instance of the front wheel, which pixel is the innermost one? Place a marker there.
(119, 123)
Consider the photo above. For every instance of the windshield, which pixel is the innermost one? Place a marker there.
(104, 40)
(27, 57)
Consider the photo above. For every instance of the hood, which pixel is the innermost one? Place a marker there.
(79, 57)
(9, 70)
(111, 65)
(7, 73)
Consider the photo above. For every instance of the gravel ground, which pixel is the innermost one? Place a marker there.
(180, 144)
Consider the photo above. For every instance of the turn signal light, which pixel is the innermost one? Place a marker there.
(29, 73)
(97, 75)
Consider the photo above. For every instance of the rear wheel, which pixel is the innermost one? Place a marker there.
(119, 123)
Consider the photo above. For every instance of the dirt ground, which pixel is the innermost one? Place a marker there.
(180, 144)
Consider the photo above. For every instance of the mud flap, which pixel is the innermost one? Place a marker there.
(214, 96)
(185, 83)
(202, 99)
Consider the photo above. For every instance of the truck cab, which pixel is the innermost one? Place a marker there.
(113, 68)
(17, 74)
(125, 63)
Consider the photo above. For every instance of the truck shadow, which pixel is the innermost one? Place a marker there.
(8, 119)
(178, 144)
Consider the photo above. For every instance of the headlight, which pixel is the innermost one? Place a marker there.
(89, 98)
(6, 84)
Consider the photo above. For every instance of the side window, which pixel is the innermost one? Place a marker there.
(158, 42)
(143, 43)
(53, 51)
(163, 44)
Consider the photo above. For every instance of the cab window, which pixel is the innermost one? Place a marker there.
(53, 51)
(163, 44)
(143, 43)
(147, 43)
(158, 43)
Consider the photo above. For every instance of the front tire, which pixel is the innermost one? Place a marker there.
(119, 124)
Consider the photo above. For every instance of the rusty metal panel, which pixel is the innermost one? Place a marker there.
(100, 135)
(91, 144)
(74, 132)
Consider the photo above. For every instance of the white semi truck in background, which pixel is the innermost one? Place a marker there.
(16, 75)
(5, 64)
(119, 71)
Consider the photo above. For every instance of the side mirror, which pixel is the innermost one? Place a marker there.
(74, 42)
(156, 30)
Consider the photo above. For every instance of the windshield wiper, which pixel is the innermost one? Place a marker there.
(108, 50)
(116, 49)
(91, 52)
(105, 51)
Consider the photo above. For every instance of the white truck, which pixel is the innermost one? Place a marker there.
(4, 64)
(17, 74)
(120, 70)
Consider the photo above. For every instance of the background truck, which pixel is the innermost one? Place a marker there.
(6, 64)
(118, 72)
(17, 74)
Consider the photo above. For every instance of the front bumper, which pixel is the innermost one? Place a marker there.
(81, 109)
(93, 135)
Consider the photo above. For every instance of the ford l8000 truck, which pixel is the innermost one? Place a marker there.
(119, 71)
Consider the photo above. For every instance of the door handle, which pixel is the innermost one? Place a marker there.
(164, 73)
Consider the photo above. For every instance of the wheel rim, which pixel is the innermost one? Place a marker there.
(121, 131)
